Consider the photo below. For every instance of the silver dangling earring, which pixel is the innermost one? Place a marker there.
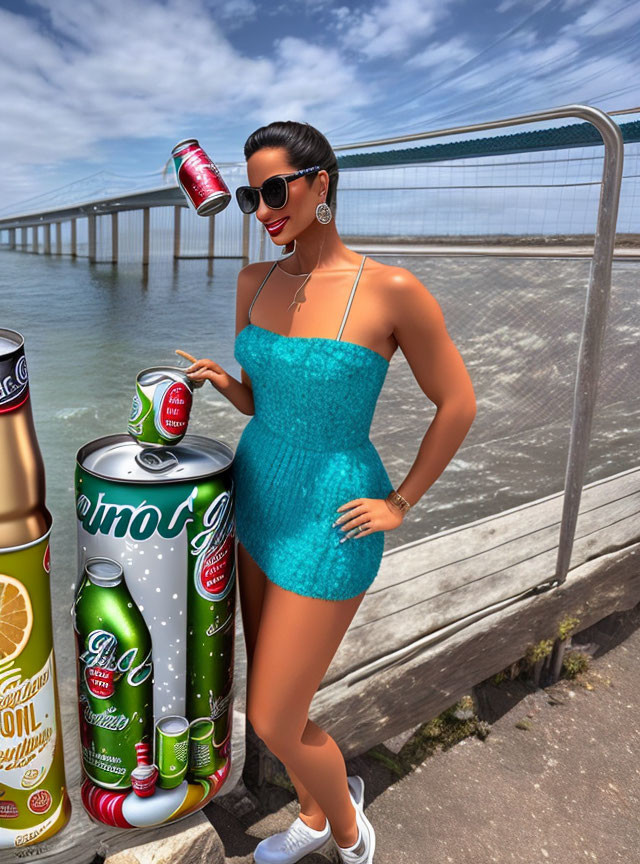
(323, 213)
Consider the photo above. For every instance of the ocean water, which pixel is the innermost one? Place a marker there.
(516, 322)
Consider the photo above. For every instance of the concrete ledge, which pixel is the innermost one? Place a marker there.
(192, 839)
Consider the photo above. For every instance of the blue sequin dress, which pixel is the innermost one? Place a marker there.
(306, 451)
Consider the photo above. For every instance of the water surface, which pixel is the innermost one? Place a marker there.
(89, 329)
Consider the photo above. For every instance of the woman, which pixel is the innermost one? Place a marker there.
(312, 495)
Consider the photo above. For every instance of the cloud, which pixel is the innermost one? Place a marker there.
(96, 77)
(507, 5)
(104, 72)
(441, 55)
(307, 75)
(609, 16)
(235, 12)
(389, 28)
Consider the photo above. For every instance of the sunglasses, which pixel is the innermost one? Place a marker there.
(274, 191)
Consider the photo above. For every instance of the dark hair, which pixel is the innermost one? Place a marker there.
(305, 146)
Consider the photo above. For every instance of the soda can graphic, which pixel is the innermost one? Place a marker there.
(145, 775)
(210, 624)
(199, 178)
(202, 757)
(166, 515)
(161, 406)
(114, 672)
(172, 750)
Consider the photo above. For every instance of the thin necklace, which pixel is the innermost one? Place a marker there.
(308, 276)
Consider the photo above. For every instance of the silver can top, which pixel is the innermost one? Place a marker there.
(10, 341)
(119, 457)
(182, 144)
(156, 374)
(104, 572)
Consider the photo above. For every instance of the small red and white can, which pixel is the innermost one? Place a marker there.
(199, 178)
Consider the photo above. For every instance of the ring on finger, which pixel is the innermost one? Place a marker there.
(354, 531)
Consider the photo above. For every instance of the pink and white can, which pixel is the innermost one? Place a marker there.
(199, 178)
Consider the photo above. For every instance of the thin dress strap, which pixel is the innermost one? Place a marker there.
(260, 289)
(353, 291)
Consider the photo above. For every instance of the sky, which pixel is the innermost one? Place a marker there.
(112, 85)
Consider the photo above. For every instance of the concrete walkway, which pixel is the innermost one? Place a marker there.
(564, 789)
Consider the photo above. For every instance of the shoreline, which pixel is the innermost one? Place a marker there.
(625, 241)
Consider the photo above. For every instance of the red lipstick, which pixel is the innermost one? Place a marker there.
(276, 227)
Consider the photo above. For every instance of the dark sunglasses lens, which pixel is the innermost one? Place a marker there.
(247, 199)
(274, 192)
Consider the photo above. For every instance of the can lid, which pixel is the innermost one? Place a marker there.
(155, 374)
(104, 572)
(214, 203)
(183, 143)
(121, 458)
(10, 341)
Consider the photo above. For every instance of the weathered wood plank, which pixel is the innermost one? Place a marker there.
(426, 585)
(361, 713)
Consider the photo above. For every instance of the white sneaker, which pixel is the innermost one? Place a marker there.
(291, 845)
(362, 850)
(356, 786)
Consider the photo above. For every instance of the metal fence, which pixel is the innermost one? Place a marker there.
(524, 198)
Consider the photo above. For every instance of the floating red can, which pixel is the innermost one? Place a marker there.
(199, 178)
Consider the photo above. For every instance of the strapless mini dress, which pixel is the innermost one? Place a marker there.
(305, 451)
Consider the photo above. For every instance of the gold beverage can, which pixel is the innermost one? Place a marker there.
(34, 802)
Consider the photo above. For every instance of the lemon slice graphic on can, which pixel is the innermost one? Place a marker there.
(16, 617)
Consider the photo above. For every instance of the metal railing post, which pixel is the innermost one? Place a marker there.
(591, 342)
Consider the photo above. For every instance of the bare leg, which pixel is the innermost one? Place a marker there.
(310, 810)
(297, 639)
(251, 581)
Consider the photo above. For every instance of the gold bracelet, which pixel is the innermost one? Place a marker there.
(397, 499)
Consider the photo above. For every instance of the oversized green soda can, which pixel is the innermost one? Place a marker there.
(115, 675)
(167, 514)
